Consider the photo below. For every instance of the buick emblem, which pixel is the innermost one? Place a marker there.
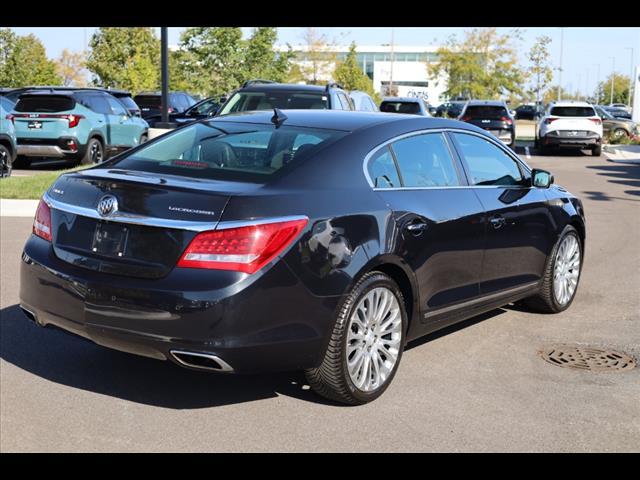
(107, 205)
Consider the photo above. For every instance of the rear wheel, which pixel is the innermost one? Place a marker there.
(366, 343)
(94, 153)
(5, 162)
(596, 151)
(619, 133)
(561, 276)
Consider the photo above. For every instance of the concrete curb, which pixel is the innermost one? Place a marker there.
(629, 154)
(18, 208)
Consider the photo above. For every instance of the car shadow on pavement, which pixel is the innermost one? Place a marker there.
(70, 360)
(621, 174)
(454, 328)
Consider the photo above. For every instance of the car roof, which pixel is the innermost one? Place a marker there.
(342, 120)
(489, 103)
(570, 103)
(264, 87)
(402, 99)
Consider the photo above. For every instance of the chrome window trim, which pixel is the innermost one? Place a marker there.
(258, 221)
(495, 142)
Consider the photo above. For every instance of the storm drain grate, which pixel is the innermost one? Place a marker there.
(587, 358)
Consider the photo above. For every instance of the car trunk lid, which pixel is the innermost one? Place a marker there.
(146, 227)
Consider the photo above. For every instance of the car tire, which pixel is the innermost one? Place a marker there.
(332, 379)
(22, 162)
(596, 151)
(619, 133)
(547, 301)
(94, 152)
(5, 162)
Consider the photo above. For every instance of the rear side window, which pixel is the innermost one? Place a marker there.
(229, 151)
(488, 164)
(485, 111)
(573, 112)
(96, 103)
(382, 170)
(45, 103)
(425, 161)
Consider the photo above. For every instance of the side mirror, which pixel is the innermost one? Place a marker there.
(541, 178)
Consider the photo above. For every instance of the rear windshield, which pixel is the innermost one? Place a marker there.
(486, 111)
(400, 107)
(44, 103)
(148, 101)
(573, 112)
(245, 101)
(228, 151)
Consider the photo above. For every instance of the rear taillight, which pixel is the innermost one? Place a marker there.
(243, 249)
(42, 221)
(11, 117)
(466, 118)
(596, 120)
(549, 120)
(506, 120)
(74, 120)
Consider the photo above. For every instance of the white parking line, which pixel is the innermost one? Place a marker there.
(526, 151)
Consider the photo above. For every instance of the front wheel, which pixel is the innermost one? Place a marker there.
(366, 343)
(561, 276)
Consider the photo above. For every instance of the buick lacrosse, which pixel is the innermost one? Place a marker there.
(299, 240)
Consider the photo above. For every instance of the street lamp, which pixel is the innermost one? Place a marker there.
(631, 82)
(613, 77)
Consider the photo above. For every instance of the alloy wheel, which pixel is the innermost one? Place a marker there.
(374, 339)
(567, 270)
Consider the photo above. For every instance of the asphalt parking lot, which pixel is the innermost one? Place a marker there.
(479, 386)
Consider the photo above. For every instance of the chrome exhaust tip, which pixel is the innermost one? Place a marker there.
(201, 361)
(29, 314)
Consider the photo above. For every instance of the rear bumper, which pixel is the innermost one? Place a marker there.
(571, 142)
(54, 148)
(272, 323)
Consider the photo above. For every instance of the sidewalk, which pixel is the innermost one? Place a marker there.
(623, 153)
(18, 208)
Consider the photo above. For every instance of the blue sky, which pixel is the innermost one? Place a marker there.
(585, 49)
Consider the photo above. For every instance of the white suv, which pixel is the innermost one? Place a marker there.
(572, 125)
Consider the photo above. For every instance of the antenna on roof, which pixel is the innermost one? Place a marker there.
(278, 117)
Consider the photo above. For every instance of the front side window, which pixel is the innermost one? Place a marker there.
(488, 165)
(116, 107)
(425, 161)
(228, 151)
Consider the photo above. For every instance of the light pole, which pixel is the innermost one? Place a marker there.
(613, 77)
(598, 84)
(631, 75)
(560, 68)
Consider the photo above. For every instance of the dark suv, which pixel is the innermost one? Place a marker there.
(493, 116)
(266, 95)
(149, 103)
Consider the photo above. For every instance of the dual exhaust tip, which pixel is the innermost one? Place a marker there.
(198, 360)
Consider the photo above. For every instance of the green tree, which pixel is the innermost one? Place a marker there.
(210, 59)
(317, 56)
(349, 74)
(126, 58)
(71, 68)
(540, 70)
(260, 58)
(23, 61)
(483, 64)
(620, 89)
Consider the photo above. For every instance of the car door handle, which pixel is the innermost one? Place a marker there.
(497, 221)
(416, 228)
